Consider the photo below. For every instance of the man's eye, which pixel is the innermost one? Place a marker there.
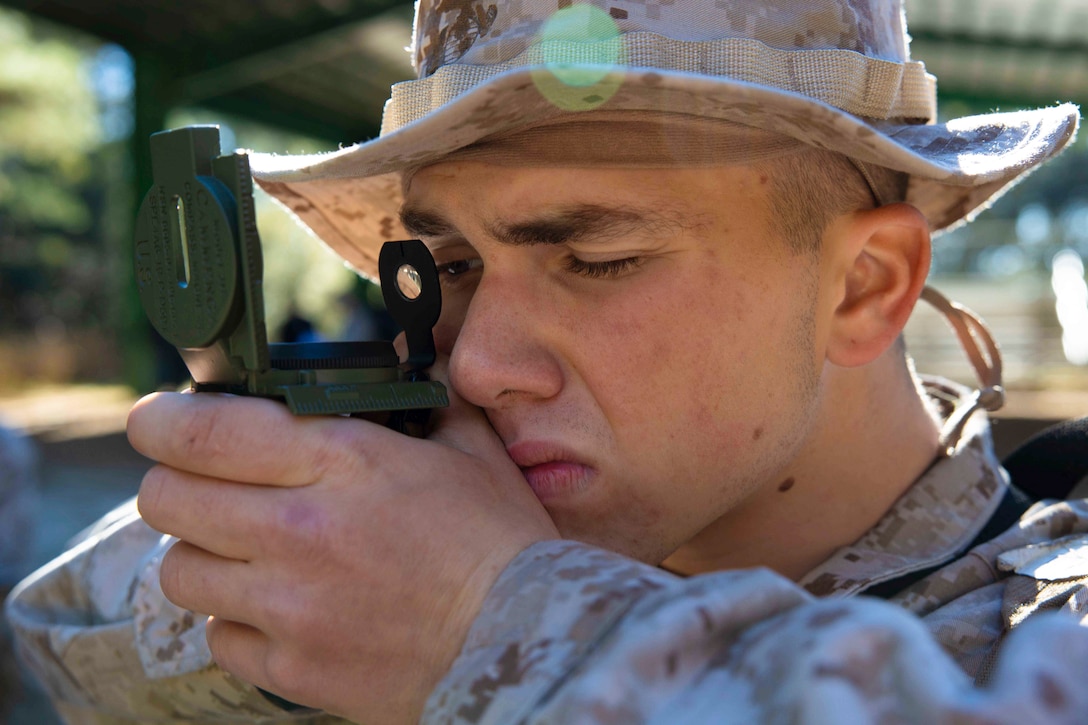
(452, 270)
(603, 270)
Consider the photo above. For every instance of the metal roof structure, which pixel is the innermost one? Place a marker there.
(324, 67)
(1009, 53)
(319, 67)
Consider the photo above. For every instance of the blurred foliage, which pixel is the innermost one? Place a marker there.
(54, 174)
(67, 202)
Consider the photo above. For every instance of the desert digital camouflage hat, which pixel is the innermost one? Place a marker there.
(834, 74)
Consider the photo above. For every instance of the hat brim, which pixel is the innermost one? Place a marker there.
(350, 198)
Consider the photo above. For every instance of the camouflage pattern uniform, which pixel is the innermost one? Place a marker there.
(572, 634)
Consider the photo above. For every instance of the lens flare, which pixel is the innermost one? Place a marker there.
(580, 48)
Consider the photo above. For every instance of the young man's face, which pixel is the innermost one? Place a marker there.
(643, 341)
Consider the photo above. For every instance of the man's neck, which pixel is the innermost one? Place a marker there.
(877, 436)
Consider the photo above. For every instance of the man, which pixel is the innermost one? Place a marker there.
(678, 244)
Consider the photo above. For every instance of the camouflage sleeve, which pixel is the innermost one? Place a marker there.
(573, 634)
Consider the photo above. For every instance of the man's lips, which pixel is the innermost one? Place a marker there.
(551, 470)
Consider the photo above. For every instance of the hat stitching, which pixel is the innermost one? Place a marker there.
(860, 85)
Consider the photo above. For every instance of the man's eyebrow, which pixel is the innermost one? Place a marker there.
(561, 226)
(423, 223)
(584, 222)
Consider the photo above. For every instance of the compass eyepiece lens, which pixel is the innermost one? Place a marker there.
(409, 282)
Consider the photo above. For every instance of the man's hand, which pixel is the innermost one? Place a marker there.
(342, 562)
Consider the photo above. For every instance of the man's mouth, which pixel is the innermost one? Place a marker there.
(552, 471)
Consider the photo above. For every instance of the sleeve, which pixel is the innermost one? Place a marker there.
(572, 634)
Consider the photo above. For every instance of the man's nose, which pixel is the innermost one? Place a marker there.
(503, 352)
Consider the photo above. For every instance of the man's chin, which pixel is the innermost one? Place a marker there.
(639, 547)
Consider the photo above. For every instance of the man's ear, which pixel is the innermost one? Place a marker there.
(886, 256)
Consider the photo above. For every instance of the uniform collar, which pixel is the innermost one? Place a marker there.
(937, 517)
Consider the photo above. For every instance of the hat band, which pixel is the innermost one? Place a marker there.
(863, 86)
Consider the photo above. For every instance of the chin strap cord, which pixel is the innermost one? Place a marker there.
(865, 174)
(975, 337)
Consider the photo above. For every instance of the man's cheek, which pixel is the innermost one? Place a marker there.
(449, 324)
(444, 338)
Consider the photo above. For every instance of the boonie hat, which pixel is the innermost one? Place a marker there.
(833, 74)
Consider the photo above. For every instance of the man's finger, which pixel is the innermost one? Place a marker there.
(225, 518)
(251, 440)
(253, 657)
(200, 581)
(239, 649)
(462, 425)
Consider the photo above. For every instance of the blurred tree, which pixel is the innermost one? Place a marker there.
(52, 270)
